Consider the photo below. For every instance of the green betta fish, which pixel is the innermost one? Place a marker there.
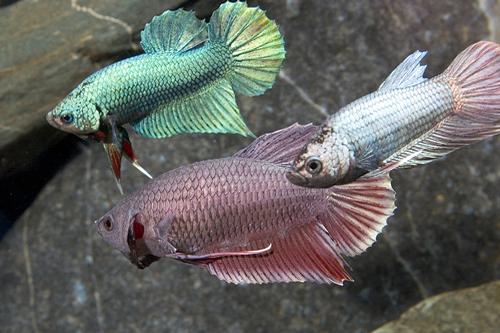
(184, 83)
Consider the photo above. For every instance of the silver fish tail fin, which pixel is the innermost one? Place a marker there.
(255, 43)
(474, 76)
(346, 224)
(474, 80)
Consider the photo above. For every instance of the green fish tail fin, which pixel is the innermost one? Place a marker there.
(173, 31)
(256, 46)
(211, 110)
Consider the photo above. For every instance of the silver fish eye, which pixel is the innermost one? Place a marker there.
(314, 165)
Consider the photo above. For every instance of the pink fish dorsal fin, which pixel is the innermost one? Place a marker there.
(281, 146)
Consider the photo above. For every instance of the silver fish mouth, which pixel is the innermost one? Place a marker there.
(296, 178)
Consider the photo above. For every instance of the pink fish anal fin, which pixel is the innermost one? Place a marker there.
(209, 257)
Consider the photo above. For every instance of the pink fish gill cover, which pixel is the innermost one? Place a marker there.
(243, 221)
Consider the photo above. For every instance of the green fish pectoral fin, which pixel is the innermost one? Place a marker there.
(211, 110)
(255, 43)
(173, 31)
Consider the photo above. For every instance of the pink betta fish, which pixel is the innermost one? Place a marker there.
(243, 221)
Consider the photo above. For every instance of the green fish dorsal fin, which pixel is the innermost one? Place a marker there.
(211, 110)
(173, 31)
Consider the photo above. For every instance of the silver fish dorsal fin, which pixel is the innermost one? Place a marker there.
(173, 31)
(408, 73)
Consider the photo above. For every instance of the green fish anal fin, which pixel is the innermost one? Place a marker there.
(173, 31)
(211, 110)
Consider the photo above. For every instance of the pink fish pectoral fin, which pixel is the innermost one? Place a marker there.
(218, 255)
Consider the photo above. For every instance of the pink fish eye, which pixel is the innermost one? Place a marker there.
(108, 225)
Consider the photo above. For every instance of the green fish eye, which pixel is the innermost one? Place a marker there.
(67, 118)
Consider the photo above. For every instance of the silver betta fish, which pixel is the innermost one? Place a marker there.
(240, 218)
(408, 121)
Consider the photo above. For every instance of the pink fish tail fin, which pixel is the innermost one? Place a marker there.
(474, 76)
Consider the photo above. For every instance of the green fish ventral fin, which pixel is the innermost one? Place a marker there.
(173, 31)
(211, 110)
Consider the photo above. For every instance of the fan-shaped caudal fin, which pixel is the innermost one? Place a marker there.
(346, 224)
(474, 79)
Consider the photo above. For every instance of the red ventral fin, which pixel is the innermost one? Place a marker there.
(281, 146)
(306, 253)
(129, 152)
(115, 159)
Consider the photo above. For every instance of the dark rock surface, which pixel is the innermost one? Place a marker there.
(58, 276)
(452, 312)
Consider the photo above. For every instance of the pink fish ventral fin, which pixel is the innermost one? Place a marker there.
(474, 79)
(219, 255)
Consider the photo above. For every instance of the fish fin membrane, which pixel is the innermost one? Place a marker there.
(358, 211)
(408, 73)
(255, 43)
(474, 79)
(173, 31)
(211, 110)
(306, 253)
(348, 223)
(281, 146)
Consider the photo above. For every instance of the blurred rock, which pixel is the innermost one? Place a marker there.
(468, 310)
(58, 276)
